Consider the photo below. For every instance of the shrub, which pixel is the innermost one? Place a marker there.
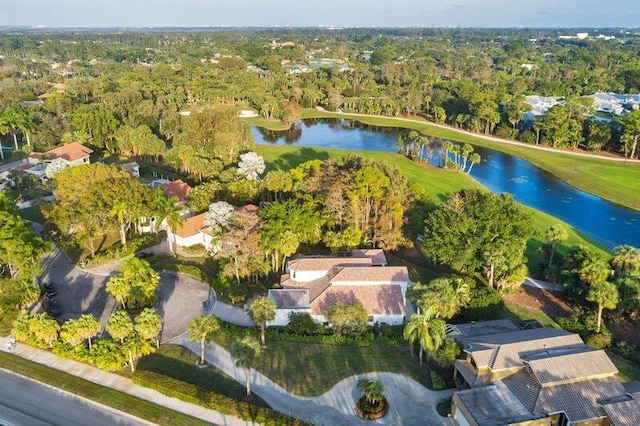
(599, 340)
(485, 303)
(211, 400)
(118, 251)
(447, 354)
(302, 324)
(194, 249)
(437, 382)
(444, 407)
(627, 350)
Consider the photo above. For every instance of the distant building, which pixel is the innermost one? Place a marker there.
(313, 284)
(132, 167)
(176, 188)
(540, 105)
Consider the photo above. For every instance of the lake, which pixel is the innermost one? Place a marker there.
(598, 219)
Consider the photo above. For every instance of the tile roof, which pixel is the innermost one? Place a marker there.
(564, 366)
(315, 287)
(376, 255)
(579, 400)
(249, 208)
(372, 274)
(176, 188)
(470, 374)
(376, 299)
(506, 350)
(191, 226)
(494, 405)
(624, 411)
(71, 152)
(481, 328)
(325, 263)
(130, 166)
(290, 298)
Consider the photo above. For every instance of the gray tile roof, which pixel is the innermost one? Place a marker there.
(315, 287)
(290, 298)
(494, 405)
(624, 411)
(481, 328)
(470, 374)
(567, 365)
(579, 400)
(506, 350)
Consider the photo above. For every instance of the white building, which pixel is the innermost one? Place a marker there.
(313, 284)
(71, 154)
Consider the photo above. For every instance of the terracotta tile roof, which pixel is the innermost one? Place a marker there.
(377, 255)
(325, 263)
(624, 411)
(506, 350)
(372, 274)
(71, 152)
(564, 366)
(191, 226)
(290, 298)
(376, 299)
(176, 188)
(315, 287)
(249, 208)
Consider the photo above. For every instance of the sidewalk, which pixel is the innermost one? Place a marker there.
(410, 402)
(120, 383)
(545, 285)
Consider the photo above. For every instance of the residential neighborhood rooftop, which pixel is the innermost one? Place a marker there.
(376, 299)
(176, 188)
(71, 152)
(326, 263)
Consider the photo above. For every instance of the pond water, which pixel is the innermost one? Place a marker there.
(604, 222)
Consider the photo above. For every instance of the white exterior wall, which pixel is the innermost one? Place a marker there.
(83, 160)
(388, 319)
(199, 238)
(282, 316)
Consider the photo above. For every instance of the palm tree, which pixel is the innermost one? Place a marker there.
(448, 147)
(245, 352)
(118, 288)
(3, 131)
(169, 210)
(262, 310)
(427, 330)
(44, 328)
(594, 270)
(83, 328)
(202, 329)
(605, 295)
(148, 325)
(119, 325)
(474, 159)
(626, 259)
(142, 279)
(119, 210)
(371, 390)
(555, 234)
(465, 151)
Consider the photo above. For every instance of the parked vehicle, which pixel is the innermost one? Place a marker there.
(50, 289)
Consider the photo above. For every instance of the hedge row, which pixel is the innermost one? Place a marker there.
(118, 251)
(200, 396)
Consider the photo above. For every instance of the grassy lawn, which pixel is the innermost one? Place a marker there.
(309, 369)
(520, 313)
(417, 273)
(112, 398)
(614, 181)
(437, 182)
(180, 363)
(628, 370)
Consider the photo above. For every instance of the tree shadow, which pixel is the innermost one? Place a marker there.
(293, 159)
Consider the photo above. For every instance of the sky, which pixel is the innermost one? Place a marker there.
(338, 13)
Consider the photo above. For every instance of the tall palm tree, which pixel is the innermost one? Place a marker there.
(44, 328)
(169, 210)
(118, 288)
(555, 234)
(3, 131)
(202, 329)
(427, 330)
(605, 295)
(119, 325)
(474, 159)
(142, 278)
(148, 325)
(89, 327)
(448, 147)
(594, 270)
(262, 310)
(626, 259)
(245, 352)
(119, 211)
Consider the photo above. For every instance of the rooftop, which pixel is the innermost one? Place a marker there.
(376, 299)
(191, 226)
(71, 152)
(570, 365)
(176, 188)
(372, 274)
(325, 263)
(624, 411)
(290, 298)
(482, 328)
(376, 255)
(494, 405)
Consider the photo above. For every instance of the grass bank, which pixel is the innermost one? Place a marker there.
(437, 182)
(101, 394)
(613, 181)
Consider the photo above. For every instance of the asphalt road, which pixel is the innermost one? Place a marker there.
(26, 402)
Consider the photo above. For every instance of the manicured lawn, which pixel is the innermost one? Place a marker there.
(520, 313)
(417, 273)
(628, 370)
(180, 363)
(309, 369)
(437, 182)
(112, 398)
(617, 182)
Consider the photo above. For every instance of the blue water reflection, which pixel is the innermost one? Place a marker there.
(605, 222)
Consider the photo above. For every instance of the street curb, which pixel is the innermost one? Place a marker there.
(82, 398)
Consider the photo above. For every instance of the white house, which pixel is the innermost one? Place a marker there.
(314, 284)
(72, 153)
(132, 167)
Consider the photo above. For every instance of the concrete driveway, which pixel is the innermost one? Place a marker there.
(180, 297)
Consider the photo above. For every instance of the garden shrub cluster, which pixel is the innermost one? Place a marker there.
(584, 324)
(211, 400)
(118, 251)
(484, 304)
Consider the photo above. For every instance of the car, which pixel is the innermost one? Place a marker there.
(50, 289)
(53, 308)
(144, 255)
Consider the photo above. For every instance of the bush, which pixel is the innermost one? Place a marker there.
(118, 251)
(485, 303)
(195, 249)
(437, 382)
(444, 407)
(447, 354)
(211, 400)
(302, 324)
(627, 350)
(599, 340)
